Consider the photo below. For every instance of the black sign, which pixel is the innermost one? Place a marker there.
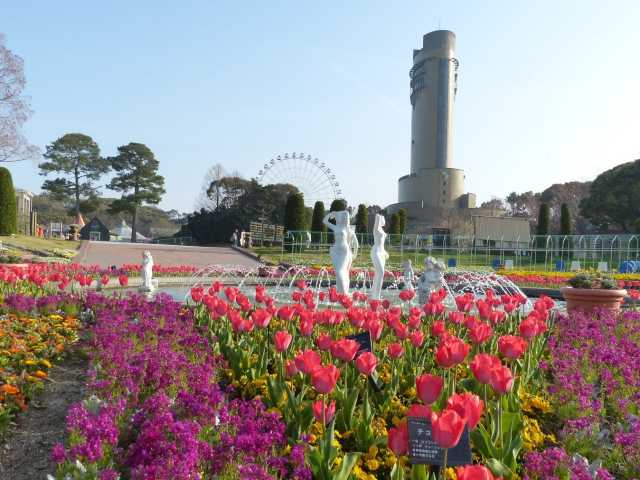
(364, 340)
(424, 450)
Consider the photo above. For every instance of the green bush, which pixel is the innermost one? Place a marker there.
(8, 208)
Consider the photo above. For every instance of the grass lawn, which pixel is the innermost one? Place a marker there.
(24, 244)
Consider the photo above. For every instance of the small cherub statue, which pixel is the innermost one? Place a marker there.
(431, 279)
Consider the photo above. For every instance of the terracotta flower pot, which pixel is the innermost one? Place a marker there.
(587, 299)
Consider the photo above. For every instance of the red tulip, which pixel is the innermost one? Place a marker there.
(429, 387)
(532, 326)
(433, 308)
(438, 328)
(324, 378)
(345, 349)
(324, 341)
(282, 339)
(468, 406)
(366, 363)
(482, 365)
(447, 428)
(307, 361)
(231, 293)
(417, 338)
(375, 329)
(196, 293)
(306, 326)
(512, 346)
(456, 317)
(464, 302)
(286, 313)
(124, 281)
(329, 411)
(290, 368)
(395, 350)
(501, 379)
(418, 410)
(474, 472)
(398, 439)
(451, 352)
(407, 295)
(261, 318)
(401, 330)
(104, 279)
(480, 333)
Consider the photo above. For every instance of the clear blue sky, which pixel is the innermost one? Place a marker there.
(548, 90)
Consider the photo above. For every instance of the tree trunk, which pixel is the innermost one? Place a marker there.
(77, 175)
(133, 224)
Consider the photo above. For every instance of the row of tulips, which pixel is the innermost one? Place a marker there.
(460, 369)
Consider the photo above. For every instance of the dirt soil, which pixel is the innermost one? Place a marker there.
(25, 451)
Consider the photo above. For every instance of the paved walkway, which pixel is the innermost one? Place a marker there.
(106, 254)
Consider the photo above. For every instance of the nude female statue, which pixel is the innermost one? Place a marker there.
(379, 256)
(340, 251)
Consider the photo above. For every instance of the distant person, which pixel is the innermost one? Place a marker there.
(234, 238)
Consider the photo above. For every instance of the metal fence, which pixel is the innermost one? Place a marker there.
(545, 253)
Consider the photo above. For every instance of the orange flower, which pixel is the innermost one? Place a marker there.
(9, 389)
(40, 374)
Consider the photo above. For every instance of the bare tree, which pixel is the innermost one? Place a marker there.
(206, 199)
(14, 108)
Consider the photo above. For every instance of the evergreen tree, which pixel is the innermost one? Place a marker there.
(394, 224)
(402, 219)
(308, 217)
(76, 158)
(565, 220)
(362, 219)
(543, 220)
(338, 205)
(294, 212)
(8, 209)
(137, 178)
(318, 215)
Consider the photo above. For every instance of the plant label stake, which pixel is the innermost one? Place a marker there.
(423, 450)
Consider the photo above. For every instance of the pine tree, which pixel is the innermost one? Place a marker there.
(543, 220)
(294, 212)
(76, 158)
(138, 179)
(565, 220)
(318, 215)
(8, 209)
(402, 220)
(362, 219)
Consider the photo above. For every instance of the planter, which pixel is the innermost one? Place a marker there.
(588, 299)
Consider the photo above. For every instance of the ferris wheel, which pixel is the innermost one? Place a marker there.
(313, 178)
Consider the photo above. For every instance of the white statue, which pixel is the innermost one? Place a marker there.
(147, 272)
(407, 275)
(340, 251)
(379, 256)
(431, 279)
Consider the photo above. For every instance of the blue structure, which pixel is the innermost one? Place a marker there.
(560, 266)
(629, 266)
(452, 263)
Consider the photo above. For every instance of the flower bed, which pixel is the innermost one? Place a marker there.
(239, 387)
(558, 279)
(156, 410)
(31, 338)
(454, 368)
(596, 390)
